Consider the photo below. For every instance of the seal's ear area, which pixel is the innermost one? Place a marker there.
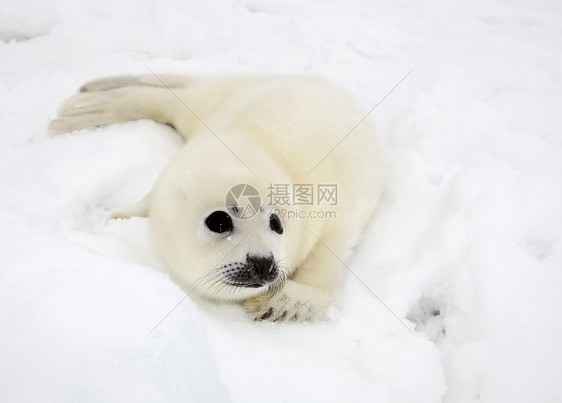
(140, 209)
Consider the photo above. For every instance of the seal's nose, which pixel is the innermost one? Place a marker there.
(262, 267)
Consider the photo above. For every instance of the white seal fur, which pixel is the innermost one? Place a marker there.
(248, 130)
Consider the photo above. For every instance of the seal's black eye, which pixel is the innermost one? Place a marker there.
(275, 224)
(219, 221)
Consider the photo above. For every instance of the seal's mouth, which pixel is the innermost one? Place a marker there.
(270, 286)
(255, 272)
(249, 285)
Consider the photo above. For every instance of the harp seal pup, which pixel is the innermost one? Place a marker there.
(262, 131)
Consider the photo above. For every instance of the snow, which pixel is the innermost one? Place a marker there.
(465, 248)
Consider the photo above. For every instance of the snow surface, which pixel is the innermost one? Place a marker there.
(465, 248)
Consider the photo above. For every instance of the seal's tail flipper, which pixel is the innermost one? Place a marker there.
(114, 82)
(120, 99)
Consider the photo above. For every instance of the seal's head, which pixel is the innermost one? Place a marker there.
(212, 224)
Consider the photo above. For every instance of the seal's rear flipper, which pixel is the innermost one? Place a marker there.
(140, 209)
(121, 99)
(114, 82)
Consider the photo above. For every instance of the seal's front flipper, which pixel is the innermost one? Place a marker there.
(140, 209)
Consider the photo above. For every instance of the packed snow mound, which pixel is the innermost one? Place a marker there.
(453, 293)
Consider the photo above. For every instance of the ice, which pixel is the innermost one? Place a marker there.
(455, 291)
(74, 325)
